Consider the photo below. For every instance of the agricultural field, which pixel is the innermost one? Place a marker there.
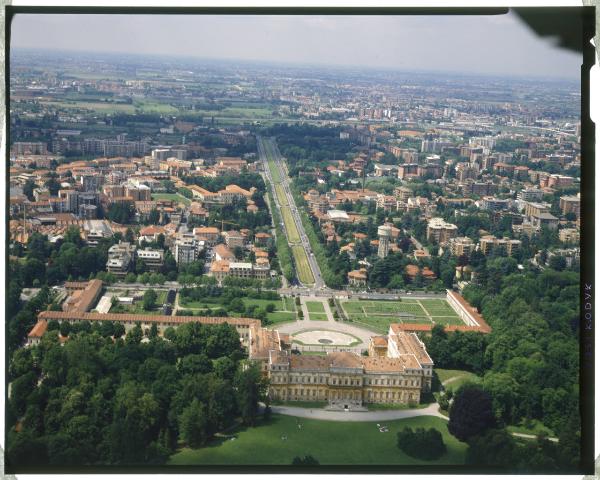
(278, 440)
(302, 266)
(379, 314)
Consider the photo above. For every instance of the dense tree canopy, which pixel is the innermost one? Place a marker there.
(100, 401)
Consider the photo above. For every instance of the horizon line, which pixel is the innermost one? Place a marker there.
(361, 68)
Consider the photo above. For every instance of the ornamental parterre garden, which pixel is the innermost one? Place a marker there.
(379, 314)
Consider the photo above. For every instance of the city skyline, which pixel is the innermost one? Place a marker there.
(485, 45)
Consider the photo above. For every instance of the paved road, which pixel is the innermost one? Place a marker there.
(268, 145)
(532, 437)
(374, 416)
(304, 291)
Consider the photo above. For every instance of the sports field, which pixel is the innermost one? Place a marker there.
(176, 197)
(302, 267)
(379, 314)
(278, 440)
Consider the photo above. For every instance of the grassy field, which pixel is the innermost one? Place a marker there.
(316, 307)
(278, 440)
(289, 303)
(280, 192)
(302, 267)
(318, 317)
(290, 225)
(456, 377)
(379, 314)
(285, 310)
(176, 197)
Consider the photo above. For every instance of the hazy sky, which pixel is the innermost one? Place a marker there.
(469, 44)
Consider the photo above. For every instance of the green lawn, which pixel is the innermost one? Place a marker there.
(318, 317)
(195, 304)
(289, 304)
(303, 269)
(281, 197)
(379, 314)
(281, 317)
(176, 197)
(531, 427)
(290, 225)
(459, 377)
(285, 310)
(138, 305)
(316, 307)
(261, 303)
(331, 443)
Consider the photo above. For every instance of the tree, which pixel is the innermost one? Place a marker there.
(154, 217)
(471, 412)
(122, 213)
(119, 330)
(421, 443)
(494, 447)
(149, 301)
(153, 331)
(53, 186)
(250, 388)
(193, 424)
(28, 188)
(557, 262)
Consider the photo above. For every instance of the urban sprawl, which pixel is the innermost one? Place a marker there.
(339, 222)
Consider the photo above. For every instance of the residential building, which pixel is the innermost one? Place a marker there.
(440, 231)
(505, 245)
(120, 258)
(570, 204)
(460, 246)
(185, 249)
(357, 278)
(153, 259)
(569, 235)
